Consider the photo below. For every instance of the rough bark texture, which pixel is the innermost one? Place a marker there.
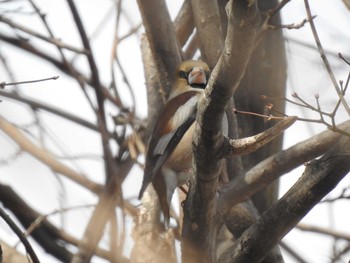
(200, 226)
(319, 178)
(165, 50)
(208, 25)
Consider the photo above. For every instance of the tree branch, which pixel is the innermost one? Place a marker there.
(324, 57)
(247, 145)
(162, 39)
(46, 157)
(101, 117)
(199, 221)
(183, 23)
(208, 24)
(29, 31)
(319, 178)
(68, 69)
(61, 113)
(265, 172)
(47, 235)
(100, 216)
(324, 231)
(20, 235)
(52, 239)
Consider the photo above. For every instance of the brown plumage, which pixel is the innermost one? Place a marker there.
(169, 154)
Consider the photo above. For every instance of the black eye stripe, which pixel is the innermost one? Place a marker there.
(183, 74)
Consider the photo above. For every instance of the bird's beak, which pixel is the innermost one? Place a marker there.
(197, 77)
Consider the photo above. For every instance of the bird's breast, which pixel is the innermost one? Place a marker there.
(181, 158)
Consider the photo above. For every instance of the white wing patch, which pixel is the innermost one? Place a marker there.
(180, 116)
(183, 112)
(163, 143)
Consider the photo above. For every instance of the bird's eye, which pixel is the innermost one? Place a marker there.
(183, 74)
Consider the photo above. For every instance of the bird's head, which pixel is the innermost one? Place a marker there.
(190, 74)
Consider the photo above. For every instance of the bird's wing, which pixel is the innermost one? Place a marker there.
(178, 115)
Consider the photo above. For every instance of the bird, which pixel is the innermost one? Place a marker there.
(169, 154)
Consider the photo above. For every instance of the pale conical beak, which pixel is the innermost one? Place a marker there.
(197, 77)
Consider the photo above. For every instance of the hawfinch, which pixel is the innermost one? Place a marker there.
(169, 154)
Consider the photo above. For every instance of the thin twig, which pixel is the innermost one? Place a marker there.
(115, 44)
(46, 157)
(324, 231)
(7, 67)
(292, 252)
(269, 117)
(324, 57)
(114, 58)
(302, 103)
(291, 26)
(64, 59)
(132, 31)
(342, 195)
(100, 113)
(53, 110)
(127, 82)
(29, 31)
(35, 224)
(3, 84)
(11, 158)
(272, 12)
(344, 59)
(20, 235)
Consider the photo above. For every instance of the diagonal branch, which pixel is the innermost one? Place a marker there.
(46, 157)
(319, 178)
(324, 57)
(265, 172)
(247, 145)
(64, 67)
(56, 111)
(51, 40)
(324, 231)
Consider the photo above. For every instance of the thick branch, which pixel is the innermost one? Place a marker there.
(162, 39)
(208, 25)
(265, 172)
(319, 178)
(247, 145)
(183, 23)
(199, 222)
(47, 235)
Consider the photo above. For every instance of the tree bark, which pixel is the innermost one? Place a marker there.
(318, 179)
(199, 230)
